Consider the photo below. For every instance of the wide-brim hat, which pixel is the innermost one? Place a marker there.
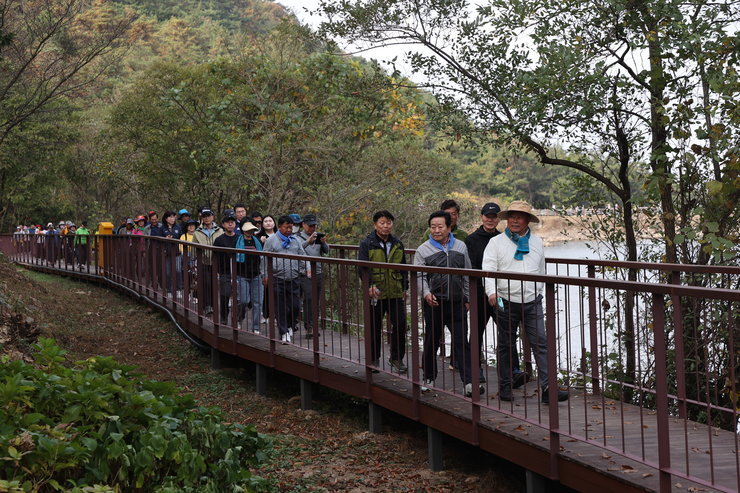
(519, 206)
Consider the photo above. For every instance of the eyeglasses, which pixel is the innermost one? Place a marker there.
(258, 222)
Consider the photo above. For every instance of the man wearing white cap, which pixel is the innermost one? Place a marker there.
(518, 250)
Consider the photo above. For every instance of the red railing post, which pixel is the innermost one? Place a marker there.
(552, 383)
(661, 392)
(475, 351)
(414, 366)
(316, 301)
(593, 333)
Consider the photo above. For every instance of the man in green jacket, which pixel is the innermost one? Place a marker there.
(82, 244)
(387, 292)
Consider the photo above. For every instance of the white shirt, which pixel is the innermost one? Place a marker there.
(499, 257)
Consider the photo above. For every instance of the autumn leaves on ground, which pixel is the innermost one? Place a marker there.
(326, 449)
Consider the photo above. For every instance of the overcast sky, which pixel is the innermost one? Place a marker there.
(301, 10)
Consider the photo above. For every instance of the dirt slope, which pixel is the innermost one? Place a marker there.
(327, 449)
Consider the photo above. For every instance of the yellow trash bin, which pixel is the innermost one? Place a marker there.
(103, 229)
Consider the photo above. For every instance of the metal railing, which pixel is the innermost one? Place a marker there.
(650, 362)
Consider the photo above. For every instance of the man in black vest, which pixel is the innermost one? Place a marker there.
(476, 243)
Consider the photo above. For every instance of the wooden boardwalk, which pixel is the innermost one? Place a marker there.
(601, 443)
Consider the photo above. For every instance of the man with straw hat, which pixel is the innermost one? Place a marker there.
(519, 302)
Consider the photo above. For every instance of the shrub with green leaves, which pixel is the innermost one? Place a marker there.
(96, 426)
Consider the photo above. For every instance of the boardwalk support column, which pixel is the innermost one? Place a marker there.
(215, 359)
(220, 360)
(307, 388)
(434, 444)
(535, 482)
(375, 417)
(260, 379)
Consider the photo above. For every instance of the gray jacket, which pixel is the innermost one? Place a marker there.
(284, 268)
(316, 250)
(444, 286)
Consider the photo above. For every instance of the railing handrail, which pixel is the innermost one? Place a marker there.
(626, 264)
(632, 286)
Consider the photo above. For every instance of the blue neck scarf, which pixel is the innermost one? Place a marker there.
(241, 243)
(438, 245)
(522, 243)
(286, 239)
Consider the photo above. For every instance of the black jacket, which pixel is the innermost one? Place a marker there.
(477, 242)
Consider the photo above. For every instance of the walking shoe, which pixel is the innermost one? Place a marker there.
(505, 394)
(520, 378)
(398, 365)
(290, 332)
(284, 338)
(428, 383)
(208, 311)
(562, 395)
(469, 390)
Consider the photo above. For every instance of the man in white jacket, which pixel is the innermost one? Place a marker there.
(518, 302)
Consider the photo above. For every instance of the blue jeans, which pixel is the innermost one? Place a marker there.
(250, 290)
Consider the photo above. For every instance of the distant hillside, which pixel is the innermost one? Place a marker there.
(251, 16)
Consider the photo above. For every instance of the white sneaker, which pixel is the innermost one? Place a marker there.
(263, 320)
(290, 337)
(290, 332)
(469, 390)
(427, 384)
(284, 338)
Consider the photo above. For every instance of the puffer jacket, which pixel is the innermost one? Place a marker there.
(391, 283)
(444, 286)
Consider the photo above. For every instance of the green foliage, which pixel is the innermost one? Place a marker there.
(282, 129)
(603, 88)
(97, 426)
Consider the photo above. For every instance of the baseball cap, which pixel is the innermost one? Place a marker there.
(295, 218)
(206, 211)
(183, 212)
(310, 219)
(490, 208)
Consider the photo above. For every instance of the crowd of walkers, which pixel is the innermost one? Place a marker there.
(295, 284)
(65, 242)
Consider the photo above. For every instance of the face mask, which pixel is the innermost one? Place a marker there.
(296, 229)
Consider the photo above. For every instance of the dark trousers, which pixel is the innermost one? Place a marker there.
(452, 315)
(485, 313)
(531, 317)
(287, 302)
(82, 254)
(204, 278)
(396, 310)
(224, 295)
(308, 302)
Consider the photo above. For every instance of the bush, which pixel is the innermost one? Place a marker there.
(97, 426)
